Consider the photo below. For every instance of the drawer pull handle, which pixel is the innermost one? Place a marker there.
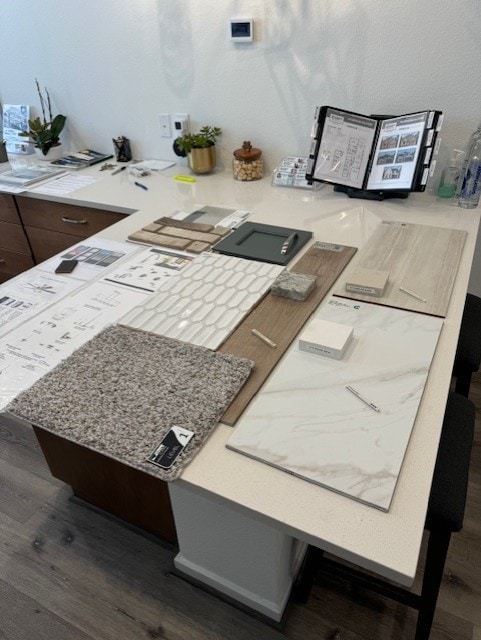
(72, 221)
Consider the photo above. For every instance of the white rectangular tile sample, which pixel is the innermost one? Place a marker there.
(203, 303)
(307, 423)
(422, 262)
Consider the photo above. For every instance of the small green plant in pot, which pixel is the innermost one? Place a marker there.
(199, 148)
(45, 132)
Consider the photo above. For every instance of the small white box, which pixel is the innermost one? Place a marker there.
(325, 338)
(370, 282)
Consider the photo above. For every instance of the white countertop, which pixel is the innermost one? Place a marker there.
(385, 542)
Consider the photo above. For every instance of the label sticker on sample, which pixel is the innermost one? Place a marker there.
(171, 446)
(328, 246)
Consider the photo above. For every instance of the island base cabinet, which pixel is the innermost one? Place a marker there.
(132, 495)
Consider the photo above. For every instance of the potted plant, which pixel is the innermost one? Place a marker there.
(199, 148)
(45, 132)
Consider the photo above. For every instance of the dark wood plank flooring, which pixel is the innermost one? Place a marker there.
(70, 573)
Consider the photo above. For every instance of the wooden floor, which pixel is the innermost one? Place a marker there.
(70, 573)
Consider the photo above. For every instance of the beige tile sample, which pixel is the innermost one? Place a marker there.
(422, 262)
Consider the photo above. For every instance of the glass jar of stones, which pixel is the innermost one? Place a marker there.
(247, 163)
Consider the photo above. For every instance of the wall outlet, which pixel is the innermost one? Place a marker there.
(165, 128)
(180, 124)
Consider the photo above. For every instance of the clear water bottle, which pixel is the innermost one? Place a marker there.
(471, 177)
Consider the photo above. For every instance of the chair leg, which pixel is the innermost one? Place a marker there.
(463, 383)
(307, 575)
(433, 574)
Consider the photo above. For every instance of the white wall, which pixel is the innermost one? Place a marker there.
(112, 65)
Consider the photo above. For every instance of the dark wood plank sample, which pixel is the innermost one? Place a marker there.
(280, 319)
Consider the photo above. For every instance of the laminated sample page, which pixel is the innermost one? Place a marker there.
(397, 151)
(345, 147)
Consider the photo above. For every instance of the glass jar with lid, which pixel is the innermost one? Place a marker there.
(247, 163)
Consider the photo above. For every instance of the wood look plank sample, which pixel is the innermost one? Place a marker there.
(421, 259)
(158, 239)
(184, 224)
(195, 237)
(199, 236)
(280, 320)
(153, 228)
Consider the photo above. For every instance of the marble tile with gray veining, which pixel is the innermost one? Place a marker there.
(307, 423)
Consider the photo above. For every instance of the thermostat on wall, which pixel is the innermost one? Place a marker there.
(241, 30)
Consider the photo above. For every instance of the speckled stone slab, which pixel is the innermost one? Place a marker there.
(295, 286)
(120, 393)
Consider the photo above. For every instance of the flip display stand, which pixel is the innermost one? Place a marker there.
(373, 157)
(371, 195)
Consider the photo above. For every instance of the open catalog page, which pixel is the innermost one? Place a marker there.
(397, 151)
(345, 148)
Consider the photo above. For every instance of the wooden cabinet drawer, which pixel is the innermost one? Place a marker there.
(65, 218)
(8, 210)
(46, 244)
(12, 262)
(12, 237)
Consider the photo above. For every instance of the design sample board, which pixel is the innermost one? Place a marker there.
(280, 319)
(121, 392)
(307, 423)
(421, 259)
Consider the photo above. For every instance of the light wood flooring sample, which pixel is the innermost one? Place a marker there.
(280, 319)
(422, 262)
(158, 239)
(184, 224)
(198, 236)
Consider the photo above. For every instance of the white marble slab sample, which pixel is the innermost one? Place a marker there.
(307, 423)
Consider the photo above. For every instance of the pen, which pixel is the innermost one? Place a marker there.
(287, 244)
(358, 395)
(142, 186)
(117, 171)
(264, 338)
(411, 293)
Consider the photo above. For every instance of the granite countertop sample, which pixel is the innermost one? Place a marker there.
(120, 393)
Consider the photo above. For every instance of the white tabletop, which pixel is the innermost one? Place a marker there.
(385, 542)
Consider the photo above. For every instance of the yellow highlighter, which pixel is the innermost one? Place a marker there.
(182, 178)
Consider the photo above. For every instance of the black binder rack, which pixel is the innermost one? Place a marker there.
(373, 157)
(370, 195)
